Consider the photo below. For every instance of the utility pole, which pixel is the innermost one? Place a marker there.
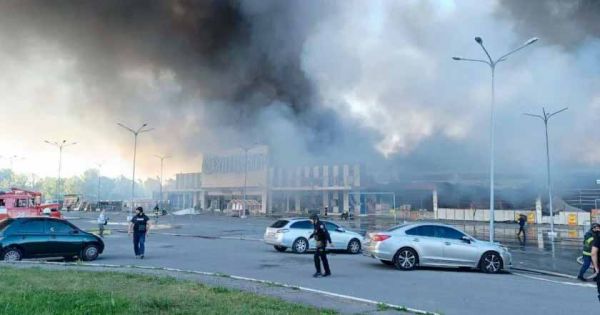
(492, 64)
(135, 133)
(162, 159)
(545, 117)
(98, 186)
(60, 145)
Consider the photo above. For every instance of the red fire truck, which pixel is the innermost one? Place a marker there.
(22, 203)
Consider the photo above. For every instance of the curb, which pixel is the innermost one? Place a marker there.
(545, 272)
(216, 274)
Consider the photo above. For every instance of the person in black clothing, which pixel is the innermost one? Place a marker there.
(322, 237)
(596, 258)
(140, 226)
(522, 221)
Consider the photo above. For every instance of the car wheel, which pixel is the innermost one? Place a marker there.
(280, 248)
(90, 252)
(12, 254)
(406, 259)
(491, 262)
(300, 246)
(387, 262)
(354, 246)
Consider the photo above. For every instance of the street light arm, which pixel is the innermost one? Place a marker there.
(469, 59)
(486, 52)
(529, 42)
(125, 127)
(532, 115)
(557, 112)
(145, 130)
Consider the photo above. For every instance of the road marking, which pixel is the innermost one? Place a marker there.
(213, 237)
(585, 285)
(216, 274)
(544, 272)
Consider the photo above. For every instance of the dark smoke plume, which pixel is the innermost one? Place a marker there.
(564, 22)
(236, 66)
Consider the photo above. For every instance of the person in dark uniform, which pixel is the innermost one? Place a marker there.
(588, 241)
(596, 257)
(140, 226)
(322, 237)
(522, 221)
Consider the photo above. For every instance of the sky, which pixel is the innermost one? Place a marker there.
(371, 81)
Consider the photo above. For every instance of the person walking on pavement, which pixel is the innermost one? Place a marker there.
(588, 240)
(140, 226)
(322, 237)
(522, 221)
(596, 258)
(102, 222)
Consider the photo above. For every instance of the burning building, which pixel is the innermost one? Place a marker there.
(250, 174)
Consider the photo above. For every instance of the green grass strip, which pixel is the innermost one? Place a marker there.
(40, 292)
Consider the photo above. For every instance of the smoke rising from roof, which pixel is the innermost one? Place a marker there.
(367, 81)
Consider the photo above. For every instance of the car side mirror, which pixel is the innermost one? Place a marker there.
(340, 229)
(74, 232)
(466, 239)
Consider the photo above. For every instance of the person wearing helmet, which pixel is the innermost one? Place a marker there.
(588, 240)
(322, 237)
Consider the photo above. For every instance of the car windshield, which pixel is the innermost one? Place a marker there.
(4, 224)
(279, 224)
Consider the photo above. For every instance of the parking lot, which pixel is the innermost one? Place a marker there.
(234, 246)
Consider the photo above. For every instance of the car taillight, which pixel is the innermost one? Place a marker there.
(379, 237)
(282, 230)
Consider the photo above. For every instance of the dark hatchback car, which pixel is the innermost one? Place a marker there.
(40, 237)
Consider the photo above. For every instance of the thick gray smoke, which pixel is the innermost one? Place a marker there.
(564, 22)
(346, 80)
(214, 74)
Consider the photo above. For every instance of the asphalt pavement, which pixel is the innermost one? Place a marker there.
(233, 246)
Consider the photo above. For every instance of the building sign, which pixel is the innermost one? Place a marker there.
(234, 163)
(572, 219)
(595, 216)
(531, 218)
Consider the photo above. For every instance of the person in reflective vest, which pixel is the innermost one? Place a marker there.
(588, 240)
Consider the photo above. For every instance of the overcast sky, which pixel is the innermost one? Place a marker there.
(369, 79)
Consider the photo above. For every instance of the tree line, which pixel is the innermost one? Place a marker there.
(86, 185)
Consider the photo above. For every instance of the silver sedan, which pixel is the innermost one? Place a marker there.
(294, 233)
(430, 244)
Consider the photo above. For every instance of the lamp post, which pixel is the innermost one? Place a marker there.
(162, 159)
(545, 117)
(492, 64)
(60, 145)
(98, 186)
(245, 180)
(135, 133)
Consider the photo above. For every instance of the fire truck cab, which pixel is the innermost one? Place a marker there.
(17, 203)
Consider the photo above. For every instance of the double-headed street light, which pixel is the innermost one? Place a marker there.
(545, 117)
(492, 64)
(60, 145)
(162, 159)
(135, 133)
